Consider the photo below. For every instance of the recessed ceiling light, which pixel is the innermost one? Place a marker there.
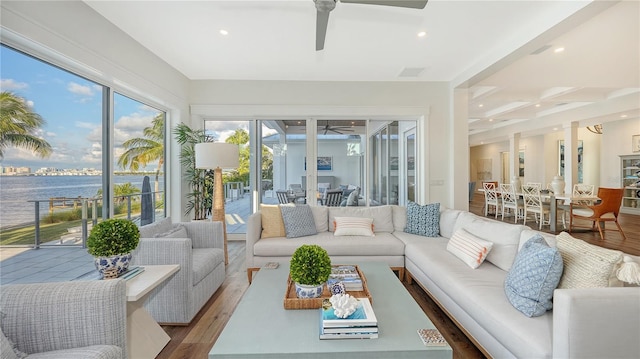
(480, 105)
(537, 105)
(558, 49)
(490, 120)
(555, 129)
(224, 32)
(623, 116)
(422, 34)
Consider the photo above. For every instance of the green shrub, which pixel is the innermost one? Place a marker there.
(113, 236)
(310, 265)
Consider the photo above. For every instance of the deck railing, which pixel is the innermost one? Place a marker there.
(89, 213)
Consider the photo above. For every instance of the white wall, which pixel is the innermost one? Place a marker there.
(71, 35)
(601, 162)
(616, 141)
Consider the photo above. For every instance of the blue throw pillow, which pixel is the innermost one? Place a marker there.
(298, 220)
(423, 220)
(534, 275)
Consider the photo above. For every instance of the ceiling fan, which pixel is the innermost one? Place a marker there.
(335, 129)
(324, 7)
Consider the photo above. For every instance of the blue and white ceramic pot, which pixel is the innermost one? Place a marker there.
(309, 291)
(118, 261)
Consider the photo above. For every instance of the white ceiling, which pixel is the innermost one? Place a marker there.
(485, 45)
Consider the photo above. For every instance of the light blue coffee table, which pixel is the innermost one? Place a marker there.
(260, 327)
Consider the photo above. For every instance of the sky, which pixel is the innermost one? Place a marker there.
(72, 109)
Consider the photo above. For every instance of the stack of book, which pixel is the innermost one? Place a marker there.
(361, 324)
(348, 275)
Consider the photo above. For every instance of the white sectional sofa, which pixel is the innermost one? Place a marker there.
(584, 323)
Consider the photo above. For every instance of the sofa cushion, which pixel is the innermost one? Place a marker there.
(423, 220)
(176, 232)
(382, 216)
(586, 265)
(448, 218)
(272, 223)
(353, 226)
(526, 234)
(399, 214)
(321, 218)
(533, 277)
(150, 230)
(505, 237)
(383, 244)
(298, 220)
(205, 260)
(469, 248)
(352, 200)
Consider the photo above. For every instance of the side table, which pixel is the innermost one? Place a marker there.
(145, 337)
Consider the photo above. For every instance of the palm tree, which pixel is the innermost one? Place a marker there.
(142, 151)
(18, 124)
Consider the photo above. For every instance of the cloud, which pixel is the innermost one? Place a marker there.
(88, 125)
(11, 84)
(134, 121)
(78, 89)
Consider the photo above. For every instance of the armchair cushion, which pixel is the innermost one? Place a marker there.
(66, 316)
(7, 348)
(205, 260)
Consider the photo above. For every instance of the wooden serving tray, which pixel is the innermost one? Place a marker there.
(291, 300)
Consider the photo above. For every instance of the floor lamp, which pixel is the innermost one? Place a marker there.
(218, 156)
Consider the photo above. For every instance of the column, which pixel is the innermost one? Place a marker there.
(570, 155)
(514, 153)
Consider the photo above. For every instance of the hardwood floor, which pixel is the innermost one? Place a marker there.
(196, 340)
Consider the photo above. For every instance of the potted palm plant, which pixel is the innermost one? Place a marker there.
(111, 243)
(309, 269)
(200, 181)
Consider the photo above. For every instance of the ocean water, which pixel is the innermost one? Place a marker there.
(17, 191)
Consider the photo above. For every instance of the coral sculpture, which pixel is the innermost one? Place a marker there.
(343, 305)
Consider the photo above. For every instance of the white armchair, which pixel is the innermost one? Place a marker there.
(71, 320)
(198, 247)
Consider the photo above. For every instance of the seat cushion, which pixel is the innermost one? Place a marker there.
(205, 260)
(383, 244)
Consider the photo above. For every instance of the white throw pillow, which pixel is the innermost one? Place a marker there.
(469, 248)
(353, 226)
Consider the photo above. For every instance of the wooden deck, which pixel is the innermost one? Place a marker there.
(196, 340)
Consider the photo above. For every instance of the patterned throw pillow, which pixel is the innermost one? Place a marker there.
(353, 226)
(423, 220)
(272, 223)
(352, 200)
(586, 265)
(298, 220)
(469, 248)
(534, 275)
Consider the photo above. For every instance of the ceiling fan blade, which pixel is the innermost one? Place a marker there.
(322, 19)
(414, 4)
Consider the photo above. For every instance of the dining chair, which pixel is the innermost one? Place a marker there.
(606, 210)
(283, 197)
(512, 201)
(491, 198)
(334, 198)
(533, 203)
(579, 190)
(298, 193)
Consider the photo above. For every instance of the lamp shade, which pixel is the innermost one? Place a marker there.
(210, 155)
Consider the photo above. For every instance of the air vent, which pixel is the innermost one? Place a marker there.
(411, 72)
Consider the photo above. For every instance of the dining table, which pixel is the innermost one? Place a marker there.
(553, 199)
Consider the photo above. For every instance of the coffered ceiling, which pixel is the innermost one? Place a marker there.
(504, 52)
